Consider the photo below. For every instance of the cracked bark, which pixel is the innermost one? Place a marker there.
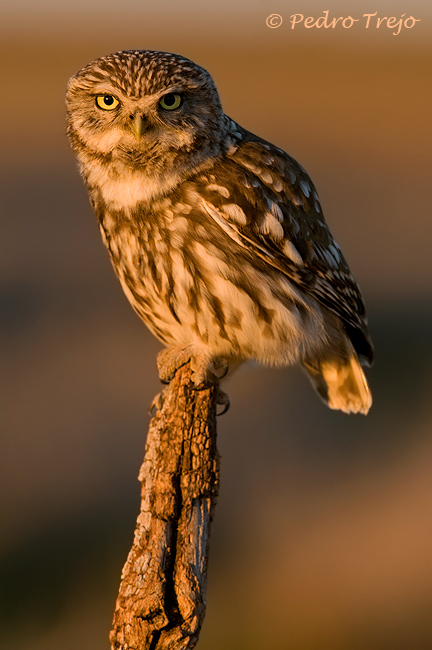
(161, 602)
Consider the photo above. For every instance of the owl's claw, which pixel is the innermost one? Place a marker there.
(224, 401)
(157, 404)
(219, 369)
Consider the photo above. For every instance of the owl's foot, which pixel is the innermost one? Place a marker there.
(205, 369)
(170, 360)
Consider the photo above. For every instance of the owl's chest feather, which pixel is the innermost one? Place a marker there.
(137, 247)
(147, 250)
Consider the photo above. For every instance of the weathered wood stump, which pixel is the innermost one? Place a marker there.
(161, 602)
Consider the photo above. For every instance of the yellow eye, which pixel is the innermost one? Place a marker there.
(107, 102)
(170, 102)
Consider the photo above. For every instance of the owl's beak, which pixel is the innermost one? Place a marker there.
(138, 126)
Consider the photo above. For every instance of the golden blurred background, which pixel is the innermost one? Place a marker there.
(323, 532)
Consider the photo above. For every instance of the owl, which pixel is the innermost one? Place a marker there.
(216, 235)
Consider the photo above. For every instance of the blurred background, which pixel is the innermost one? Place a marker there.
(323, 532)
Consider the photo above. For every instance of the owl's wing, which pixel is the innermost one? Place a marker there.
(265, 201)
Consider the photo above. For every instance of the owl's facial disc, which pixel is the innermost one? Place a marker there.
(129, 110)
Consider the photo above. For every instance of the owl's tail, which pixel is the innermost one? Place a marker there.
(341, 384)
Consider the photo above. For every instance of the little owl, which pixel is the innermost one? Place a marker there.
(216, 235)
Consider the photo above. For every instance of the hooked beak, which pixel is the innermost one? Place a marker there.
(137, 126)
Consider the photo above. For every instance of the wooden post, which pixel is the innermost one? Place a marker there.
(161, 602)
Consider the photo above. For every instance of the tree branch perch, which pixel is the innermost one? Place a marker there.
(161, 602)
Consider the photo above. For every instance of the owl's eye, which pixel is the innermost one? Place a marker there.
(171, 101)
(107, 102)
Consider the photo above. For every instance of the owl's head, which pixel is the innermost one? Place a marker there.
(150, 110)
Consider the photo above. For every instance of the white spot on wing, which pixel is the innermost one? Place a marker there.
(234, 212)
(305, 188)
(271, 226)
(292, 176)
(215, 215)
(335, 252)
(266, 176)
(275, 210)
(219, 188)
(253, 168)
(328, 258)
(291, 251)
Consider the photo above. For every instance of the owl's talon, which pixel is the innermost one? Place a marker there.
(198, 379)
(157, 404)
(223, 366)
(224, 401)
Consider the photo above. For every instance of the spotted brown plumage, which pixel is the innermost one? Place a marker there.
(216, 235)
